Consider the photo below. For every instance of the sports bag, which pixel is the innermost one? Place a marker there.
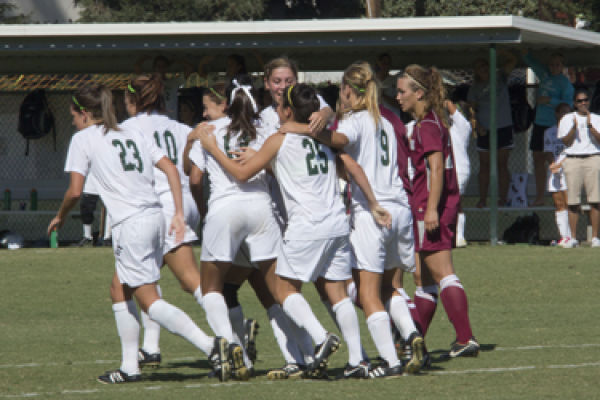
(35, 118)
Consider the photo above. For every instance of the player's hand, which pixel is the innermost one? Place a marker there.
(177, 228)
(382, 216)
(554, 167)
(54, 224)
(431, 220)
(243, 154)
(198, 129)
(294, 127)
(316, 123)
(208, 140)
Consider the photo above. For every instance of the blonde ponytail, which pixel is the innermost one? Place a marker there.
(361, 79)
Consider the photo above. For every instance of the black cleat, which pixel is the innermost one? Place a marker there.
(118, 376)
(148, 360)
(357, 372)
(469, 349)
(251, 326)
(85, 242)
(383, 370)
(318, 368)
(219, 359)
(289, 371)
(239, 370)
(417, 350)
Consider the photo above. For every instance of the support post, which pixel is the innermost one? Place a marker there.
(493, 150)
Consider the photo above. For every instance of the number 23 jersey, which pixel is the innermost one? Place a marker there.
(122, 163)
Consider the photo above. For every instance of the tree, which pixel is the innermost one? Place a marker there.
(170, 10)
(6, 16)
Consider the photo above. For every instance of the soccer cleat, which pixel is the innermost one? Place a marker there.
(146, 359)
(118, 376)
(251, 326)
(318, 368)
(383, 370)
(417, 350)
(359, 371)
(569, 243)
(219, 359)
(595, 242)
(289, 371)
(469, 349)
(460, 243)
(239, 370)
(85, 242)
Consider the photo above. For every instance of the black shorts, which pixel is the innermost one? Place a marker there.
(504, 138)
(537, 137)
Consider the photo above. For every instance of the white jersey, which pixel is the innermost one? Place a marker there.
(222, 184)
(460, 132)
(373, 146)
(121, 162)
(169, 135)
(306, 172)
(583, 143)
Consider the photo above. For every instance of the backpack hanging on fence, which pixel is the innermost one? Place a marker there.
(35, 118)
(521, 112)
(526, 229)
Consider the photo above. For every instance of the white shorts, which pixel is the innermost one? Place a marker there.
(137, 244)
(190, 214)
(307, 260)
(230, 223)
(557, 182)
(242, 257)
(376, 249)
(463, 180)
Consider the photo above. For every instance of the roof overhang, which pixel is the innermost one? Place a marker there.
(448, 42)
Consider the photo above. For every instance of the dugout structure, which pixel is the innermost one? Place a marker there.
(447, 42)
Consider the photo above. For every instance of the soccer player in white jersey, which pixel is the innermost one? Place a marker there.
(369, 138)
(557, 182)
(460, 132)
(145, 104)
(238, 213)
(315, 244)
(121, 161)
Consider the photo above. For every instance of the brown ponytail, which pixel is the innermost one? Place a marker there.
(146, 92)
(98, 101)
(241, 109)
(430, 81)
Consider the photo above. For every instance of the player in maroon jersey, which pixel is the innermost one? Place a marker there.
(435, 201)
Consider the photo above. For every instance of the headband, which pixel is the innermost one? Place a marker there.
(289, 95)
(130, 88)
(361, 90)
(245, 89)
(81, 108)
(412, 78)
(219, 96)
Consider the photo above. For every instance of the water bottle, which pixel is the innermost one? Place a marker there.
(54, 239)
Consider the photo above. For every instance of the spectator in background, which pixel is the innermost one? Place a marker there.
(554, 88)
(580, 132)
(479, 98)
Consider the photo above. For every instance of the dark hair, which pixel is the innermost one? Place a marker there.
(303, 101)
(146, 92)
(579, 91)
(216, 93)
(98, 101)
(563, 106)
(241, 109)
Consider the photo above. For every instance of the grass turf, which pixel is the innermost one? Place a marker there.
(531, 308)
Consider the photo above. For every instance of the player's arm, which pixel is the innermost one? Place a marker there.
(196, 187)
(253, 166)
(187, 163)
(357, 174)
(333, 139)
(178, 222)
(569, 138)
(319, 119)
(436, 167)
(70, 199)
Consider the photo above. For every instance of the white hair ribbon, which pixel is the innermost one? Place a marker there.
(246, 89)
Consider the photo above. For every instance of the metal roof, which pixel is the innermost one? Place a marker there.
(449, 42)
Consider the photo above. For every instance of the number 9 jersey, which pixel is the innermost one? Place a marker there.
(122, 163)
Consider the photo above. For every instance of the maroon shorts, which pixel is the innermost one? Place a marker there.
(442, 238)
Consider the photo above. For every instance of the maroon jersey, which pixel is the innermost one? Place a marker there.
(429, 135)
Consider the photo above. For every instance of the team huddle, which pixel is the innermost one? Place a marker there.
(276, 217)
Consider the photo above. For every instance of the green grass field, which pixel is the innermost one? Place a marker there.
(533, 309)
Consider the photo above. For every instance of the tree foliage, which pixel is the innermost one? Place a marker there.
(7, 16)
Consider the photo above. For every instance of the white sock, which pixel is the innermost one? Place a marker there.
(562, 222)
(179, 323)
(198, 296)
(280, 324)
(151, 331)
(348, 323)
(398, 310)
(218, 316)
(296, 307)
(379, 326)
(303, 340)
(128, 328)
(87, 231)
(352, 292)
(236, 316)
(460, 226)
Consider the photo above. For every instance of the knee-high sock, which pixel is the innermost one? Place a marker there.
(296, 307)
(128, 328)
(236, 316)
(198, 296)
(218, 316)
(179, 323)
(426, 303)
(414, 313)
(400, 314)
(562, 223)
(151, 331)
(347, 321)
(460, 226)
(379, 326)
(455, 303)
(280, 323)
(332, 314)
